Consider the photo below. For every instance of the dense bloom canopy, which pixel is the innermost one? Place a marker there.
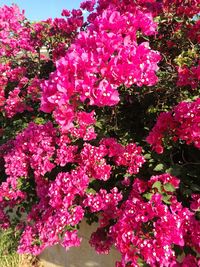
(75, 120)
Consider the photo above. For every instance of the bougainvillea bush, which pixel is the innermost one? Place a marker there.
(103, 126)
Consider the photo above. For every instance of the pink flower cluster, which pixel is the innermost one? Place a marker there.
(147, 231)
(181, 123)
(99, 61)
(61, 30)
(58, 170)
(33, 148)
(194, 31)
(103, 201)
(189, 76)
(33, 156)
(21, 90)
(195, 205)
(20, 40)
(14, 36)
(59, 207)
(54, 218)
(181, 8)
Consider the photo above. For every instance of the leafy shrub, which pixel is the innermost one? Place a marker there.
(77, 120)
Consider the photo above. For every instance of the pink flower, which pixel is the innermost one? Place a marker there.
(71, 239)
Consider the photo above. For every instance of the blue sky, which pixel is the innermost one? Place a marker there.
(43, 9)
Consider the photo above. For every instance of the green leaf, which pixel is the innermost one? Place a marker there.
(178, 19)
(90, 191)
(148, 195)
(169, 187)
(157, 185)
(166, 199)
(39, 120)
(159, 167)
(142, 263)
(98, 124)
(20, 182)
(147, 156)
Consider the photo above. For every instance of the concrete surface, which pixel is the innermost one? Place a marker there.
(83, 256)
